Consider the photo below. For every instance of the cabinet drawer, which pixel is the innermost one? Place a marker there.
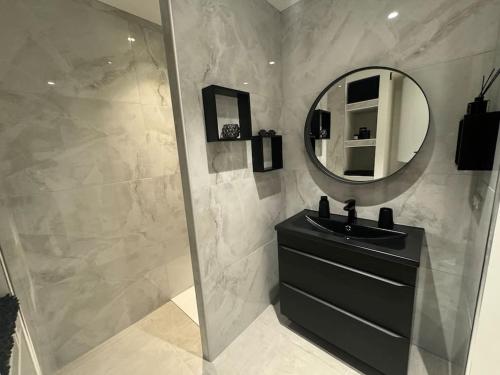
(374, 345)
(380, 300)
(344, 254)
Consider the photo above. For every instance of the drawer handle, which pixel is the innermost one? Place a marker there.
(338, 265)
(344, 312)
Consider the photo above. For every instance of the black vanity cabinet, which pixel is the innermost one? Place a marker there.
(356, 295)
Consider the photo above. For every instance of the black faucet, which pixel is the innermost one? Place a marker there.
(350, 207)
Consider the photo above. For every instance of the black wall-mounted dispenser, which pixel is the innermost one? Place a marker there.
(477, 139)
(478, 132)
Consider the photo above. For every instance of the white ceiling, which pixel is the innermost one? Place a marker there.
(281, 5)
(150, 9)
(147, 9)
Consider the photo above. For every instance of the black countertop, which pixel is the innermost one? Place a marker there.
(405, 251)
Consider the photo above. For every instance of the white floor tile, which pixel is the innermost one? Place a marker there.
(186, 301)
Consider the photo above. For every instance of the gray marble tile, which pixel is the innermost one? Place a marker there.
(352, 36)
(93, 224)
(233, 40)
(437, 308)
(165, 341)
(232, 302)
(180, 274)
(150, 65)
(64, 50)
(82, 142)
(228, 223)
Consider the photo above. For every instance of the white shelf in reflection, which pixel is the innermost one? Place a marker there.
(367, 105)
(360, 143)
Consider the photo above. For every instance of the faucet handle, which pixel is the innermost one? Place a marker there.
(350, 204)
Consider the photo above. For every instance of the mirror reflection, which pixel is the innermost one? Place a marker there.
(367, 125)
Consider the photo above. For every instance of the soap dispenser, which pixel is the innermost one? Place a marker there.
(324, 207)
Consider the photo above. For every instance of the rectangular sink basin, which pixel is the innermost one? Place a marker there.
(354, 231)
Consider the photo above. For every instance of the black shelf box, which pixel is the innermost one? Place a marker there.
(321, 120)
(213, 130)
(477, 138)
(363, 89)
(258, 153)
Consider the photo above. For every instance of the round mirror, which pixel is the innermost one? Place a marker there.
(367, 124)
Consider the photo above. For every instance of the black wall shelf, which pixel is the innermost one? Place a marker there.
(321, 123)
(258, 153)
(363, 89)
(213, 130)
(477, 139)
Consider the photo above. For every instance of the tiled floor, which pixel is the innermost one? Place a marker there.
(168, 342)
(186, 301)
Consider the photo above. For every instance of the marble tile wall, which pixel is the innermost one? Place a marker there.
(229, 42)
(92, 220)
(446, 46)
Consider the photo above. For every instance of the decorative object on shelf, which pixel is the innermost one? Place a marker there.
(385, 218)
(364, 133)
(477, 139)
(258, 159)
(218, 100)
(230, 131)
(478, 131)
(267, 133)
(355, 137)
(479, 105)
(9, 306)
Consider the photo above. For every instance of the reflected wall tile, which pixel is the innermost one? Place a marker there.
(93, 210)
(482, 201)
(180, 274)
(150, 65)
(22, 144)
(112, 318)
(81, 142)
(436, 309)
(24, 288)
(35, 214)
(66, 52)
(17, 18)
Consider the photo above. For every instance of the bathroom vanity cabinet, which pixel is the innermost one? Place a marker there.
(357, 295)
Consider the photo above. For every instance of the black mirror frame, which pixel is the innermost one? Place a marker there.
(307, 138)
